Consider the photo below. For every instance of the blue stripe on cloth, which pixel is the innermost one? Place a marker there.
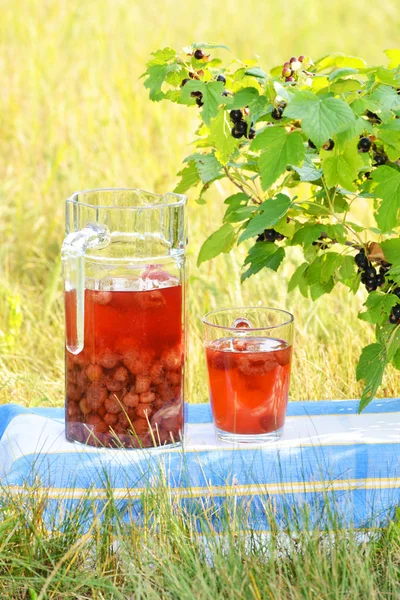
(254, 512)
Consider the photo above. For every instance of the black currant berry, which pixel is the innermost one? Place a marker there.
(199, 54)
(395, 314)
(279, 236)
(221, 78)
(312, 145)
(361, 260)
(372, 116)
(371, 286)
(364, 278)
(320, 244)
(370, 272)
(236, 116)
(239, 129)
(380, 159)
(379, 279)
(184, 81)
(196, 94)
(277, 113)
(270, 235)
(364, 145)
(252, 133)
(396, 292)
(329, 145)
(199, 102)
(385, 266)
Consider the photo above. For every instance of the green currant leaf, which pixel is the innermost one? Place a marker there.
(342, 72)
(389, 133)
(378, 306)
(395, 274)
(370, 368)
(263, 255)
(211, 96)
(330, 262)
(256, 72)
(220, 241)
(189, 178)
(243, 98)
(156, 75)
(221, 138)
(320, 288)
(297, 277)
(386, 97)
(282, 149)
(311, 208)
(258, 108)
(270, 212)
(347, 274)
(162, 56)
(386, 76)
(343, 86)
(338, 60)
(388, 190)
(322, 268)
(285, 226)
(240, 214)
(209, 46)
(396, 360)
(394, 57)
(236, 200)
(341, 165)
(313, 272)
(307, 234)
(359, 127)
(321, 117)
(207, 165)
(308, 171)
(391, 250)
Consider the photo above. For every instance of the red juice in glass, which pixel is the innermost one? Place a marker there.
(249, 384)
(125, 387)
(248, 371)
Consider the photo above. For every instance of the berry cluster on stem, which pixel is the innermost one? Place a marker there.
(240, 126)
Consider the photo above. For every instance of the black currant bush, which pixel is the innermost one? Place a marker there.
(330, 129)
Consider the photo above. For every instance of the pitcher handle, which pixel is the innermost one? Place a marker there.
(73, 253)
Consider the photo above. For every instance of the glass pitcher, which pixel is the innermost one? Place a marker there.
(124, 273)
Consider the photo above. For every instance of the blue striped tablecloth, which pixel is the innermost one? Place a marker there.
(327, 454)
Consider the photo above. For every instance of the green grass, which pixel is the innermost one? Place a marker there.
(74, 115)
(182, 555)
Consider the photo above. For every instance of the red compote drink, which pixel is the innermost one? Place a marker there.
(125, 387)
(249, 384)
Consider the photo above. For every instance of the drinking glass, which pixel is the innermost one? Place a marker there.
(249, 354)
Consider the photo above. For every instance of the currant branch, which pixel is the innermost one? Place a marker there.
(327, 130)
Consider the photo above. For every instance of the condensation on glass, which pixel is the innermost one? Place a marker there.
(124, 273)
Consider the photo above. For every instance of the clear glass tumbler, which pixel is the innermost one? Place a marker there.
(124, 274)
(249, 354)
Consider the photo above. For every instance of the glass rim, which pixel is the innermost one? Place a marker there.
(74, 199)
(267, 327)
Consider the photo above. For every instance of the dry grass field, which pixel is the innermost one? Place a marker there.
(74, 114)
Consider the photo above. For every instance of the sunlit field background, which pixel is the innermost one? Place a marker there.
(74, 115)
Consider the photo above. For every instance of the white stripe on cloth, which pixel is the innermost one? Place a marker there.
(32, 434)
